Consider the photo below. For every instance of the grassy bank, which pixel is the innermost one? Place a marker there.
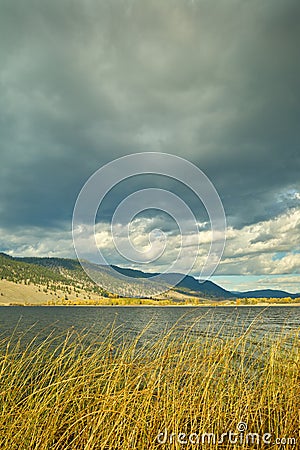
(67, 394)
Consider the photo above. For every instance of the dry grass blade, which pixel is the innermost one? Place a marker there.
(65, 393)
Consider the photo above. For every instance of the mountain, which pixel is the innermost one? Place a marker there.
(50, 275)
(66, 275)
(188, 285)
(63, 277)
(266, 293)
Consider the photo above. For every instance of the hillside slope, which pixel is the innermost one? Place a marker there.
(63, 280)
(61, 277)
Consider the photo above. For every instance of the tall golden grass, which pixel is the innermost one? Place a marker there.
(64, 393)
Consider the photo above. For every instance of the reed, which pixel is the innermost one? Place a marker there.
(68, 392)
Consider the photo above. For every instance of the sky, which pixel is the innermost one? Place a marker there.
(85, 82)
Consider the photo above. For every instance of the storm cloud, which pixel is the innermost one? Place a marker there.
(84, 82)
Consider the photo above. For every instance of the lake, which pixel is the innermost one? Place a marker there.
(130, 321)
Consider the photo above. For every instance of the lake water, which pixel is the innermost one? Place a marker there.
(130, 321)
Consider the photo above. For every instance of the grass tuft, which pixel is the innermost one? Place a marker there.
(69, 393)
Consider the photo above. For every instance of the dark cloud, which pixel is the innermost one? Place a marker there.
(82, 83)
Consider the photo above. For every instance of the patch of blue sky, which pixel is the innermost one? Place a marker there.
(279, 256)
(241, 283)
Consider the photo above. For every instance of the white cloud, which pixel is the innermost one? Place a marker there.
(289, 283)
(269, 247)
(37, 241)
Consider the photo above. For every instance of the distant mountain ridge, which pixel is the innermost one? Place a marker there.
(266, 293)
(70, 272)
(188, 283)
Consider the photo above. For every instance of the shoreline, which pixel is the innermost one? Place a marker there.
(259, 305)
